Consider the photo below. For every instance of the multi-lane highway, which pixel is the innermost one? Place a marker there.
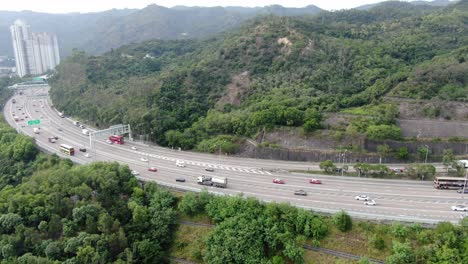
(396, 199)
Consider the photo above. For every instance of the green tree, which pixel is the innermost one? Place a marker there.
(327, 166)
(384, 151)
(448, 158)
(342, 221)
(402, 153)
(402, 253)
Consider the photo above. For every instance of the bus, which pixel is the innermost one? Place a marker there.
(69, 150)
(116, 139)
(449, 182)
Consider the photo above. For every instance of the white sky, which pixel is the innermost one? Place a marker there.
(67, 6)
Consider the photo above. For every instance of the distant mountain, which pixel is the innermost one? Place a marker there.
(102, 31)
(436, 3)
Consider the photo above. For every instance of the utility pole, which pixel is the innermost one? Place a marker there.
(464, 185)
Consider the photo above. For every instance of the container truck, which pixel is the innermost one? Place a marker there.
(220, 182)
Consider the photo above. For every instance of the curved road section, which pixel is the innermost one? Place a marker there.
(401, 200)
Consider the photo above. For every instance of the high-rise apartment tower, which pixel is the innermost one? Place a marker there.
(35, 53)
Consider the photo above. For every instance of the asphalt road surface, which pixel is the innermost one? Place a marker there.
(404, 200)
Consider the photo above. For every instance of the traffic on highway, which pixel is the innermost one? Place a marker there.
(267, 180)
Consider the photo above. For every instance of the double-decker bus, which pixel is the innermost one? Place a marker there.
(449, 182)
(69, 150)
(116, 139)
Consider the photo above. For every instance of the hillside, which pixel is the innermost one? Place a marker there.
(273, 71)
(101, 31)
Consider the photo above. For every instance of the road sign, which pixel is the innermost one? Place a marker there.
(34, 122)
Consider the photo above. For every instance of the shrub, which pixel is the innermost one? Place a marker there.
(327, 166)
(342, 221)
(381, 132)
(377, 242)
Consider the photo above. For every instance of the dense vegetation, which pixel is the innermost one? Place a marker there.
(52, 211)
(248, 231)
(274, 71)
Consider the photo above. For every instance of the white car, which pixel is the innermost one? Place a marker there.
(362, 197)
(135, 173)
(134, 148)
(370, 202)
(144, 159)
(460, 207)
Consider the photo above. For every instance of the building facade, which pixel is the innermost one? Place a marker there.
(35, 53)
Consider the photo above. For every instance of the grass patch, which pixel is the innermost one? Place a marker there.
(359, 241)
(189, 242)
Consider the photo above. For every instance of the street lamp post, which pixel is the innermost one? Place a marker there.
(427, 152)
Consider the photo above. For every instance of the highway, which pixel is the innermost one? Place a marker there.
(404, 200)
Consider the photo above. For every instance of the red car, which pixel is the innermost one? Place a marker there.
(315, 181)
(278, 181)
(153, 169)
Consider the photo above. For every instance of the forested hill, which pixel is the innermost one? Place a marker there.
(101, 31)
(272, 71)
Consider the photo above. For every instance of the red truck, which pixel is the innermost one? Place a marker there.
(116, 139)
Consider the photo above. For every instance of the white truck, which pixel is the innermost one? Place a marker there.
(463, 163)
(220, 182)
(36, 130)
(85, 132)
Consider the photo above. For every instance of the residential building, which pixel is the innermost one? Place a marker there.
(35, 53)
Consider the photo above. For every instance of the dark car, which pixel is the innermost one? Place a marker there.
(82, 149)
(180, 180)
(461, 191)
(209, 169)
(300, 192)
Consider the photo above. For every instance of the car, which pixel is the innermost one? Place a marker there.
(134, 148)
(55, 137)
(370, 202)
(59, 129)
(460, 207)
(462, 191)
(278, 181)
(135, 173)
(87, 155)
(153, 169)
(26, 117)
(83, 149)
(397, 170)
(300, 192)
(82, 127)
(315, 181)
(209, 169)
(180, 180)
(144, 159)
(362, 197)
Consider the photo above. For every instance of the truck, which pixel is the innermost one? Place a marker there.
(85, 132)
(36, 130)
(220, 182)
(463, 163)
(116, 139)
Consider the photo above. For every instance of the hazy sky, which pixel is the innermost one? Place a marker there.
(67, 6)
